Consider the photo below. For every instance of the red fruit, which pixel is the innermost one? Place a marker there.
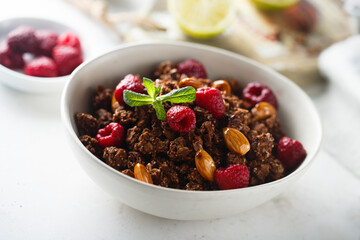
(69, 39)
(41, 67)
(301, 16)
(46, 41)
(192, 68)
(111, 135)
(211, 99)
(10, 59)
(22, 39)
(290, 152)
(181, 119)
(130, 82)
(66, 58)
(256, 92)
(232, 177)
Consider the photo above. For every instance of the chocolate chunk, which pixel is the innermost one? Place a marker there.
(87, 124)
(116, 157)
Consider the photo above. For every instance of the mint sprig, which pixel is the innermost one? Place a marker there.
(133, 99)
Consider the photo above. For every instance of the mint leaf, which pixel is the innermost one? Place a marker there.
(181, 95)
(160, 110)
(158, 90)
(150, 87)
(134, 99)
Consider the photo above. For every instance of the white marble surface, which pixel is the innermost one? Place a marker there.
(44, 194)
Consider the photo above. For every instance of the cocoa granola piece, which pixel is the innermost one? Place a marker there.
(242, 114)
(179, 150)
(167, 85)
(169, 177)
(92, 145)
(240, 120)
(125, 117)
(195, 140)
(168, 132)
(104, 117)
(149, 144)
(102, 98)
(235, 158)
(233, 101)
(259, 171)
(277, 169)
(166, 70)
(262, 146)
(202, 115)
(207, 131)
(87, 124)
(265, 171)
(260, 128)
(132, 136)
(195, 180)
(134, 158)
(116, 157)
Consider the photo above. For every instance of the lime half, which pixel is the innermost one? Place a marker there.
(274, 4)
(202, 18)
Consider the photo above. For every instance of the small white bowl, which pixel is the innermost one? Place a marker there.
(20, 81)
(297, 113)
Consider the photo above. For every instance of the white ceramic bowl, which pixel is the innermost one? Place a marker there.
(20, 81)
(297, 113)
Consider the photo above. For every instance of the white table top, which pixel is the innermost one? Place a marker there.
(44, 194)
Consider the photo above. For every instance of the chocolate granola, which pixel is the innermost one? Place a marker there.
(169, 155)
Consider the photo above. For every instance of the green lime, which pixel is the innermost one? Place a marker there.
(274, 4)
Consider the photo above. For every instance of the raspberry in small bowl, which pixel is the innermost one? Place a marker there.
(37, 55)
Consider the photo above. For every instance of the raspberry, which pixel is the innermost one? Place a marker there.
(192, 68)
(130, 82)
(181, 119)
(232, 177)
(211, 99)
(256, 92)
(66, 58)
(41, 67)
(69, 39)
(290, 152)
(22, 39)
(46, 41)
(111, 135)
(10, 59)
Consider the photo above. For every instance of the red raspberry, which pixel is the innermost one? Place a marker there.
(10, 59)
(290, 152)
(232, 177)
(69, 39)
(41, 67)
(46, 41)
(211, 99)
(66, 58)
(111, 135)
(181, 119)
(130, 82)
(22, 39)
(256, 92)
(192, 68)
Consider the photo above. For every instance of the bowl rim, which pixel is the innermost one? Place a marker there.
(29, 78)
(304, 165)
